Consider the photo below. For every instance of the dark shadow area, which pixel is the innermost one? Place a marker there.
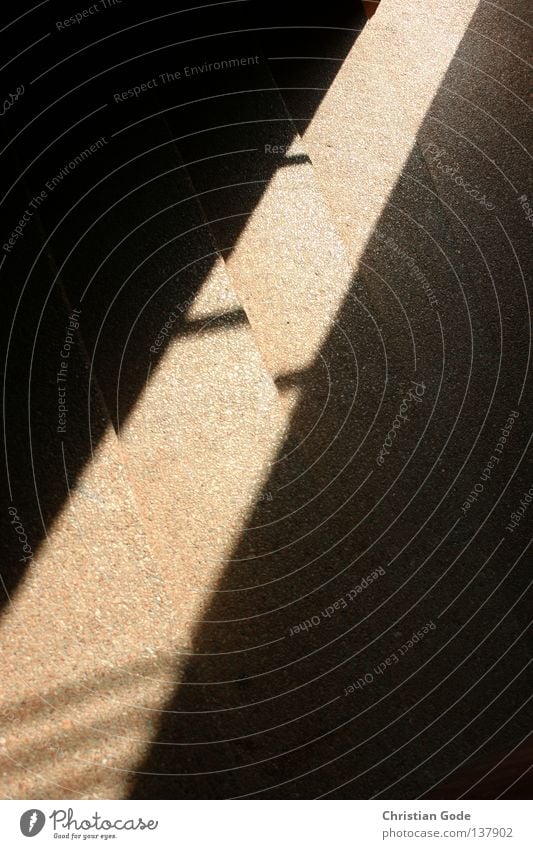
(277, 721)
(283, 722)
(506, 775)
(119, 233)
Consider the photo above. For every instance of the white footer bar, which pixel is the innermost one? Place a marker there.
(267, 824)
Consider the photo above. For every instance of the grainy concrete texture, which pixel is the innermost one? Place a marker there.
(274, 543)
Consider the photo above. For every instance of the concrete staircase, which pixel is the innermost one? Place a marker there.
(253, 316)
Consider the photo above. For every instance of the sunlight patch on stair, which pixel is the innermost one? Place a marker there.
(363, 132)
(132, 561)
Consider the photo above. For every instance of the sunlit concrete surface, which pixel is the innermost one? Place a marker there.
(365, 129)
(217, 484)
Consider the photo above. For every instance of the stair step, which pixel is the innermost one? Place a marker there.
(333, 268)
(155, 499)
(89, 595)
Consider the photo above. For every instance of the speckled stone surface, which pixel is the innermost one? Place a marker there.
(300, 341)
(90, 617)
(93, 635)
(350, 226)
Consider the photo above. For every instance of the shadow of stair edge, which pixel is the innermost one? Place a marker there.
(257, 699)
(312, 405)
(76, 273)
